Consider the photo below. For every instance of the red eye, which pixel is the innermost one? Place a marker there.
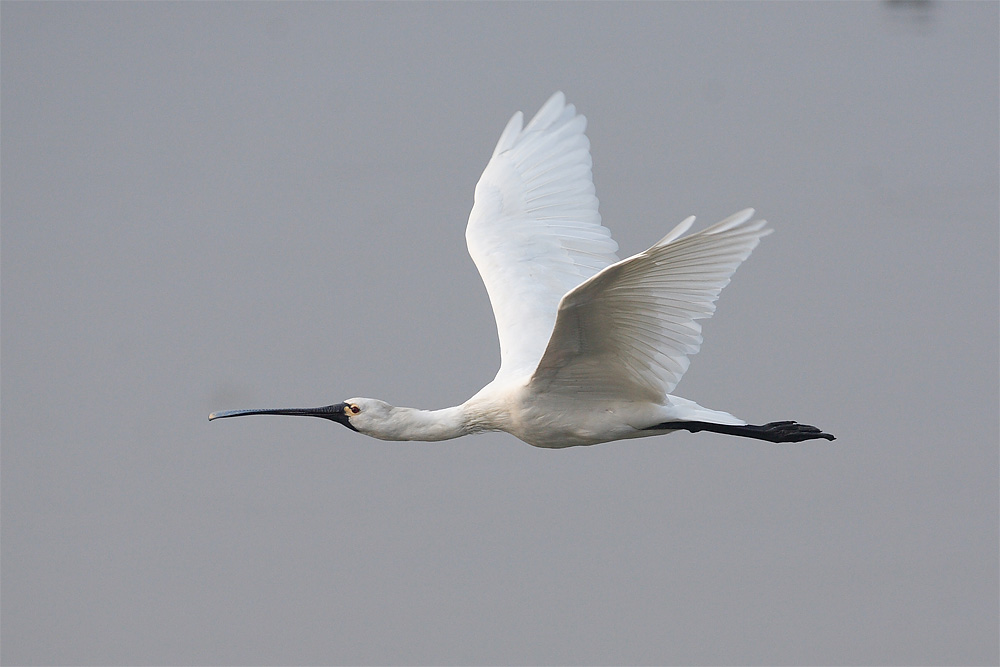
(354, 409)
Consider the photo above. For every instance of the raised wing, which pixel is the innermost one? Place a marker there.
(534, 231)
(627, 332)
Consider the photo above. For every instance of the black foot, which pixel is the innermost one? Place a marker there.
(773, 432)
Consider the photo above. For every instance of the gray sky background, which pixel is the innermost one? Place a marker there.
(212, 206)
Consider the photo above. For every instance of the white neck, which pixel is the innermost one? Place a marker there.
(413, 424)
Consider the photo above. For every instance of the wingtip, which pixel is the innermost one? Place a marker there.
(510, 133)
(548, 113)
(735, 220)
(676, 232)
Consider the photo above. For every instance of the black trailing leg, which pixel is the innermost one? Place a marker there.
(773, 432)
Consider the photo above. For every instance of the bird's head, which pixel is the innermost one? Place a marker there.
(363, 415)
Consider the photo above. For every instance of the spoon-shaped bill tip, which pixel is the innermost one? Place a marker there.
(220, 414)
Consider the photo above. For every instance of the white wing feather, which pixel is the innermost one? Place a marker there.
(628, 331)
(534, 231)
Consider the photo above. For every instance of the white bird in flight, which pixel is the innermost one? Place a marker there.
(590, 346)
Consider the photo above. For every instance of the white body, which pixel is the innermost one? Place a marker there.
(591, 346)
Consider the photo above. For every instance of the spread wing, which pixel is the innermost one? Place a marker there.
(534, 231)
(628, 331)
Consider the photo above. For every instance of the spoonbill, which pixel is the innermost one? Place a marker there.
(590, 346)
